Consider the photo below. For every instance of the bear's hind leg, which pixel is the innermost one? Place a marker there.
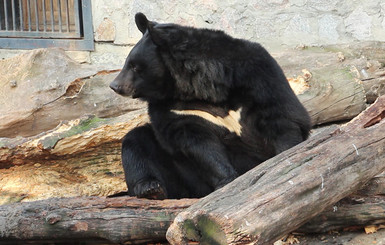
(144, 163)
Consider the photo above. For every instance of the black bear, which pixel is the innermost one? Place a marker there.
(218, 107)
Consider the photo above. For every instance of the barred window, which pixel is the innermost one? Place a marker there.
(28, 24)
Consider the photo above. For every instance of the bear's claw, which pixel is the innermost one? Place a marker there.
(150, 189)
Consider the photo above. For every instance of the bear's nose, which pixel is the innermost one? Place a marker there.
(114, 86)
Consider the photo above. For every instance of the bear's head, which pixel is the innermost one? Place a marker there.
(173, 61)
(144, 74)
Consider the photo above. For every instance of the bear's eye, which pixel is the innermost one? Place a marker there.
(134, 67)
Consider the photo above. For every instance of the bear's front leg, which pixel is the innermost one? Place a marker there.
(143, 162)
(205, 150)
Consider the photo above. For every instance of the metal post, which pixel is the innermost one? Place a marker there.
(29, 15)
(52, 18)
(60, 24)
(5, 15)
(44, 17)
(13, 15)
(67, 15)
(1, 23)
(77, 15)
(21, 16)
(36, 16)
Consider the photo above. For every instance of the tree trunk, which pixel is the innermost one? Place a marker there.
(288, 190)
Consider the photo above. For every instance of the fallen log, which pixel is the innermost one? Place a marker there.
(351, 212)
(288, 190)
(363, 208)
(58, 89)
(132, 220)
(117, 220)
(80, 157)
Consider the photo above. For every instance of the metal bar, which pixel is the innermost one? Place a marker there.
(59, 7)
(52, 18)
(67, 15)
(29, 15)
(13, 15)
(36, 16)
(39, 34)
(23, 43)
(44, 17)
(77, 17)
(6, 15)
(86, 17)
(21, 16)
(1, 23)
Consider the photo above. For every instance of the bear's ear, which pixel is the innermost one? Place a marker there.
(158, 34)
(141, 22)
(167, 35)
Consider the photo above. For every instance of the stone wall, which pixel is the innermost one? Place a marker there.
(276, 24)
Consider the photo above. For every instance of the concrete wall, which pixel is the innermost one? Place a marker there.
(275, 24)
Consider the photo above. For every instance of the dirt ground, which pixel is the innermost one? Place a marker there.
(343, 238)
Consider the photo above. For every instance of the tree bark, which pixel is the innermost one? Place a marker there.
(365, 207)
(288, 190)
(117, 220)
(333, 94)
(350, 212)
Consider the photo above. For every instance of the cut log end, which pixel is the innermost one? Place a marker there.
(203, 229)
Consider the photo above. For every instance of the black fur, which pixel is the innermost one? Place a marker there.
(180, 70)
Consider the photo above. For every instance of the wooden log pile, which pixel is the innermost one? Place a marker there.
(297, 189)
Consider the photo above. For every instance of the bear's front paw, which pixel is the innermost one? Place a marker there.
(150, 189)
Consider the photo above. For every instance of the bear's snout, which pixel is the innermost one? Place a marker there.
(121, 88)
(114, 86)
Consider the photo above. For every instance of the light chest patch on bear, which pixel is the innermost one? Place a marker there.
(231, 121)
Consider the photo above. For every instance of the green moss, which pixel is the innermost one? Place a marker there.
(211, 232)
(83, 126)
(190, 230)
(206, 231)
